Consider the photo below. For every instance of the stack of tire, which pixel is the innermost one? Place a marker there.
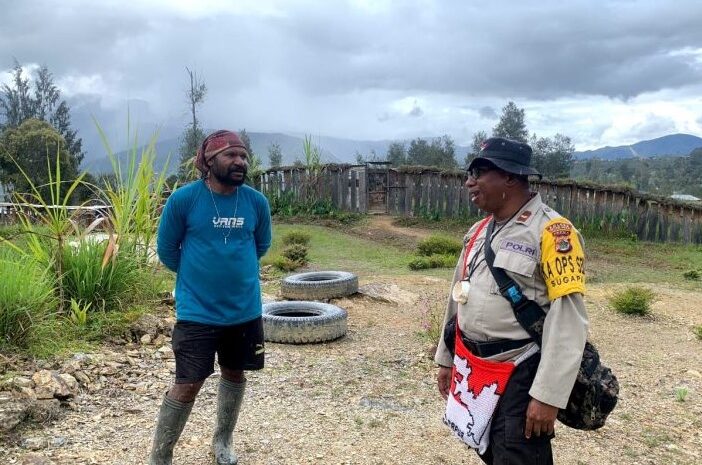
(305, 318)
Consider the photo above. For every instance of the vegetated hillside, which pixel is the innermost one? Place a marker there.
(670, 145)
(334, 150)
(656, 175)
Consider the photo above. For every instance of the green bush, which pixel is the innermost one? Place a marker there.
(439, 245)
(285, 264)
(692, 275)
(86, 281)
(296, 253)
(433, 261)
(297, 237)
(292, 257)
(633, 300)
(698, 331)
(26, 298)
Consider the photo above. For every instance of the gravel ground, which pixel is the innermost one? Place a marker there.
(370, 398)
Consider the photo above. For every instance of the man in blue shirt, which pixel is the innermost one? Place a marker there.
(212, 234)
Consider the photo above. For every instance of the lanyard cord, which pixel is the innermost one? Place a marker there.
(473, 265)
(469, 246)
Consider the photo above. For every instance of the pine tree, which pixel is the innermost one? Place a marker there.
(511, 124)
(275, 155)
(19, 103)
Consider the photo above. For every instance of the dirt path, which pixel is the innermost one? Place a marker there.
(370, 398)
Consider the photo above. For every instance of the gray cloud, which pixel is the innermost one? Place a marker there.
(488, 113)
(653, 124)
(328, 66)
(416, 111)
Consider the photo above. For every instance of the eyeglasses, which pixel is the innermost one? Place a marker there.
(477, 172)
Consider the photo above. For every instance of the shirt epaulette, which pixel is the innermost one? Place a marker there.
(551, 214)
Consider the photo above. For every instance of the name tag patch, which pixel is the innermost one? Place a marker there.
(523, 248)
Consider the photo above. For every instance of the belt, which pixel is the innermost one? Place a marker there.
(490, 348)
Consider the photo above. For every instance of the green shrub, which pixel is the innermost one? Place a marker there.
(87, 282)
(698, 331)
(285, 264)
(296, 253)
(26, 298)
(439, 245)
(297, 237)
(433, 261)
(681, 393)
(692, 275)
(633, 300)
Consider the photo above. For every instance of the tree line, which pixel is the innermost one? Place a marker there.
(655, 175)
(36, 132)
(35, 128)
(553, 156)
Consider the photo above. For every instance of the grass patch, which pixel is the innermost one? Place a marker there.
(433, 261)
(451, 226)
(697, 331)
(26, 299)
(692, 275)
(439, 245)
(634, 300)
(624, 261)
(681, 394)
(333, 250)
(296, 237)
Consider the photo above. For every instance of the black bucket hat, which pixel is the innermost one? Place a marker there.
(508, 155)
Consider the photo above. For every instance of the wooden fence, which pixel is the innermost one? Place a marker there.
(417, 191)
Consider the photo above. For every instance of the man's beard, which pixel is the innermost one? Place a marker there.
(225, 178)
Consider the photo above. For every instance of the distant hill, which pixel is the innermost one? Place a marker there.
(673, 145)
(334, 150)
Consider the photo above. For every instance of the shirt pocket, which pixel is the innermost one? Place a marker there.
(520, 267)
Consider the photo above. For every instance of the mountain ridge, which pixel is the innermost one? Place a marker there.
(339, 150)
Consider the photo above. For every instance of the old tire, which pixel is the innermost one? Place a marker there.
(319, 285)
(300, 322)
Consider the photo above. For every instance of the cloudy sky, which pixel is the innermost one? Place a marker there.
(603, 72)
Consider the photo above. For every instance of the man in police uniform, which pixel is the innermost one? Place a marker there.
(543, 253)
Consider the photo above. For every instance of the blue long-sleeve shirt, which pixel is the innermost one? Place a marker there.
(217, 283)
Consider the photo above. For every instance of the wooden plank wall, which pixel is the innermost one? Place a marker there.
(441, 194)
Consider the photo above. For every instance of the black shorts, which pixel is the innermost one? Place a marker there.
(238, 347)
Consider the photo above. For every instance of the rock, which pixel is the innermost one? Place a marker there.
(160, 340)
(388, 293)
(36, 459)
(152, 325)
(34, 443)
(82, 377)
(71, 366)
(166, 352)
(50, 385)
(13, 410)
(28, 393)
(45, 410)
(57, 441)
(22, 382)
(145, 339)
(71, 382)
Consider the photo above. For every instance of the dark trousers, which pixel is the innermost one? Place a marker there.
(508, 446)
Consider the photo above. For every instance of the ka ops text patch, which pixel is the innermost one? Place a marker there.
(562, 259)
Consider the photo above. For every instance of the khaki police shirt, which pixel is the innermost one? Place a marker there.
(487, 315)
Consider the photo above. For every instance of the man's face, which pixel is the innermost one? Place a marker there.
(485, 185)
(230, 166)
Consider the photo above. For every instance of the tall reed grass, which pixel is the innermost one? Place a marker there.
(55, 265)
(26, 297)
